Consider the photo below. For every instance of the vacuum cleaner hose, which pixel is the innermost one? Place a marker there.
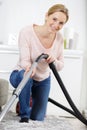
(77, 112)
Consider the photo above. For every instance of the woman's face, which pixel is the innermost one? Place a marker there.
(55, 21)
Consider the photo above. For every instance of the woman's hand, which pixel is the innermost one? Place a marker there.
(28, 69)
(50, 59)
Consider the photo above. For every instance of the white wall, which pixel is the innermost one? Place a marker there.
(14, 14)
(84, 73)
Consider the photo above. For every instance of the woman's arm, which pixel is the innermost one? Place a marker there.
(24, 50)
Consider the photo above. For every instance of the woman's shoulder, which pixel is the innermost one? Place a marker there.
(59, 35)
(26, 29)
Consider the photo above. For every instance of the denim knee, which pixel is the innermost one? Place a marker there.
(16, 77)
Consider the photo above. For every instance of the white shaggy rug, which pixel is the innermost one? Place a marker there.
(11, 122)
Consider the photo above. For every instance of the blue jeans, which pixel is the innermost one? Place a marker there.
(39, 91)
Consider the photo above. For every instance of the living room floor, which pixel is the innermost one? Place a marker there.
(77, 125)
(11, 122)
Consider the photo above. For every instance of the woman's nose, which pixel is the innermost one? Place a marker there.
(57, 25)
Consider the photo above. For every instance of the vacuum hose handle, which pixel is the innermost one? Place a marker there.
(42, 56)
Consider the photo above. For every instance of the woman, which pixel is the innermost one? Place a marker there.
(33, 41)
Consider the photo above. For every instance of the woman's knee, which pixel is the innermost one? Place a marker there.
(16, 77)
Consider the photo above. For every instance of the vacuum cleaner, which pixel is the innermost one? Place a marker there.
(18, 90)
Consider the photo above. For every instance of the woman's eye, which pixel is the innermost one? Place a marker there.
(61, 23)
(55, 19)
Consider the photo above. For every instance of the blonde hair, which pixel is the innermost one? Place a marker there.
(59, 8)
